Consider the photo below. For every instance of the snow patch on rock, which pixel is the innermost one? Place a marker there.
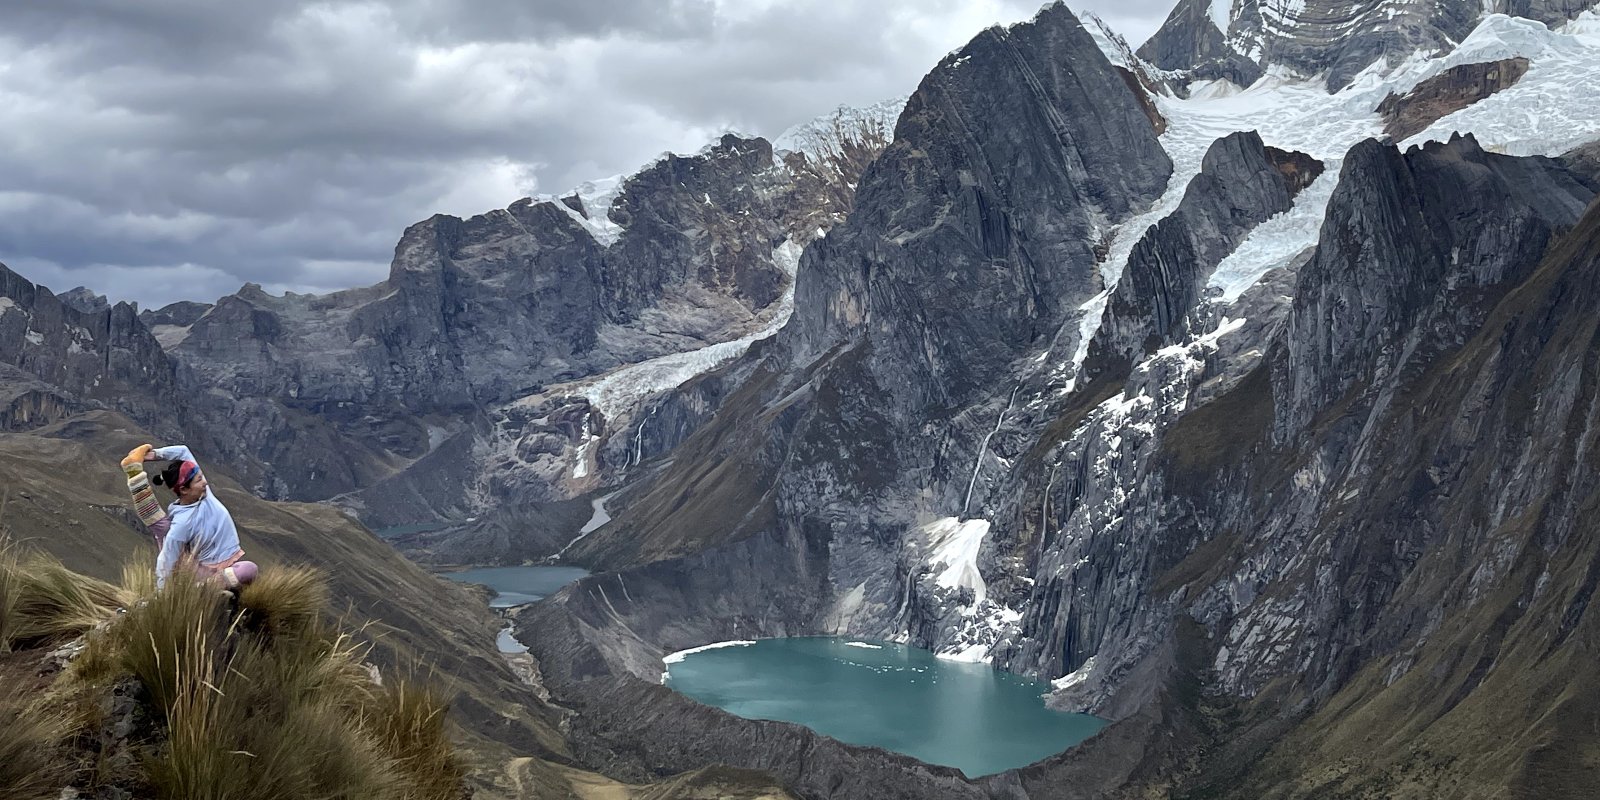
(1221, 13)
(624, 389)
(816, 136)
(1278, 240)
(954, 544)
(678, 657)
(596, 197)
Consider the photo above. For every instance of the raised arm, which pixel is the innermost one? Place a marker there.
(176, 452)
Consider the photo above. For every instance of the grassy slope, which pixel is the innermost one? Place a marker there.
(65, 495)
(69, 499)
(715, 489)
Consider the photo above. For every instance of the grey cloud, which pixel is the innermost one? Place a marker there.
(172, 149)
(544, 20)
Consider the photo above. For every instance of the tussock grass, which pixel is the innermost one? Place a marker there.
(164, 634)
(30, 736)
(41, 600)
(408, 719)
(284, 601)
(262, 698)
(10, 594)
(279, 721)
(273, 701)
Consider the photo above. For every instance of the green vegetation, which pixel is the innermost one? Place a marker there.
(188, 693)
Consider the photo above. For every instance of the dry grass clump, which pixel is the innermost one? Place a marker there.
(260, 698)
(408, 721)
(10, 594)
(272, 701)
(284, 601)
(41, 600)
(30, 737)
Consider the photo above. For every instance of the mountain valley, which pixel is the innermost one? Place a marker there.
(1242, 386)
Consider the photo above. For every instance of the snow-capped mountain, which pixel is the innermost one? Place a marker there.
(1334, 40)
(1241, 386)
(1213, 424)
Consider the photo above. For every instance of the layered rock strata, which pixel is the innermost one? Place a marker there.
(1241, 184)
(1445, 93)
(64, 358)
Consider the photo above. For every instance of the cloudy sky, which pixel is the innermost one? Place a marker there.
(161, 150)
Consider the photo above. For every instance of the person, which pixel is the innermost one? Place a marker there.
(197, 530)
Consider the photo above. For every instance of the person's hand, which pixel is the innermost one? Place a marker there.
(151, 456)
(138, 454)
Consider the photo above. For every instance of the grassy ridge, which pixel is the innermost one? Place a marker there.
(259, 698)
(63, 496)
(66, 498)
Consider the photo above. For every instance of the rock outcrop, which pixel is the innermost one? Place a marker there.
(347, 391)
(1191, 41)
(83, 299)
(1241, 184)
(63, 358)
(1445, 93)
(1366, 299)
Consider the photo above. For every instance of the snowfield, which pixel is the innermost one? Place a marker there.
(1553, 108)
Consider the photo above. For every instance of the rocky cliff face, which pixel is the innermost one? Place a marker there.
(1410, 507)
(1242, 183)
(62, 355)
(1138, 517)
(481, 343)
(1194, 42)
(1237, 41)
(1229, 512)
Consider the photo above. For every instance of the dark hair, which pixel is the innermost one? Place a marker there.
(169, 476)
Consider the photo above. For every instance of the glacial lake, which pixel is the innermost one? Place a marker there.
(514, 586)
(969, 716)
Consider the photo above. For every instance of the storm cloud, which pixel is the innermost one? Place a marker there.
(176, 149)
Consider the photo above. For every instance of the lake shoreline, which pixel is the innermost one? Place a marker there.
(972, 717)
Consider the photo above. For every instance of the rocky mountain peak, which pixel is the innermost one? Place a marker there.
(1238, 40)
(65, 354)
(1488, 216)
(1242, 183)
(85, 300)
(1006, 160)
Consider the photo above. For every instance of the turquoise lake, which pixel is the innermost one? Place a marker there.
(514, 586)
(968, 716)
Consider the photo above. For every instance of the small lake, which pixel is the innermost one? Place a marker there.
(969, 716)
(514, 586)
(407, 530)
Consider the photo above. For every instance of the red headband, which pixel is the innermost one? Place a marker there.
(187, 471)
